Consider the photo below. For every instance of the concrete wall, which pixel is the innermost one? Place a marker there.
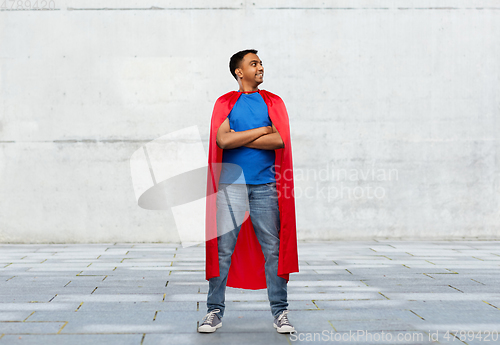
(394, 109)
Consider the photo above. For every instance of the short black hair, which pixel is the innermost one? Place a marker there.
(234, 63)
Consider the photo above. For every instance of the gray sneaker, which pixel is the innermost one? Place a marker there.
(210, 322)
(282, 324)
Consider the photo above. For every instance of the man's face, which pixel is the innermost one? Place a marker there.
(251, 69)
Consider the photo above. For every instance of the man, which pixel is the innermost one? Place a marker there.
(249, 169)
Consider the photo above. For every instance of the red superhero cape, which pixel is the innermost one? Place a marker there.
(247, 262)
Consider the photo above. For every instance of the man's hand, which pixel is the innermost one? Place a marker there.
(270, 141)
(230, 139)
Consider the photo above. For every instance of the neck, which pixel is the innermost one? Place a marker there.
(244, 87)
(252, 91)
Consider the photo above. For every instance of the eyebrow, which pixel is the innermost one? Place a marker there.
(255, 61)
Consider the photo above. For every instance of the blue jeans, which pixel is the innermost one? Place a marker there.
(262, 202)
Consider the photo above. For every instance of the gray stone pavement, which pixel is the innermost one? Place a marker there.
(357, 292)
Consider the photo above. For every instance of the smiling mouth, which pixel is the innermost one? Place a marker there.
(260, 75)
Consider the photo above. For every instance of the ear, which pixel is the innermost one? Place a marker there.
(239, 73)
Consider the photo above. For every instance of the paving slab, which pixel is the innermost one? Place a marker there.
(141, 293)
(247, 338)
(80, 339)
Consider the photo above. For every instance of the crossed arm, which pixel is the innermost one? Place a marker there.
(264, 138)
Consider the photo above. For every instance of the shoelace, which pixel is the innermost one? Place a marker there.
(210, 316)
(283, 319)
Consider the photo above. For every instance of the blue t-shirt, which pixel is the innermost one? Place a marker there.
(250, 111)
